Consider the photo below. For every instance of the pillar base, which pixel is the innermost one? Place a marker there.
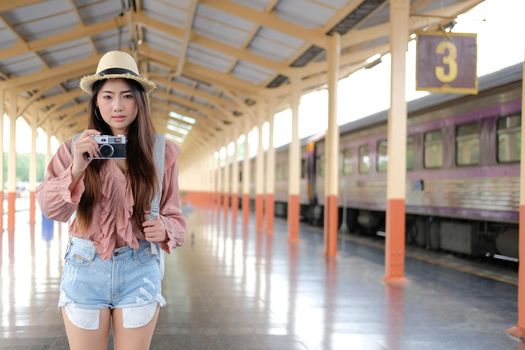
(516, 332)
(397, 281)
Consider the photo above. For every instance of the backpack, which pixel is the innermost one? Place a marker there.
(159, 150)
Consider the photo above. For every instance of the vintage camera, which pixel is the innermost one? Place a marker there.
(111, 147)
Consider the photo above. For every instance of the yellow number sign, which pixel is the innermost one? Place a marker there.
(446, 62)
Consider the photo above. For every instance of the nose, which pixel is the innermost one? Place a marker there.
(117, 104)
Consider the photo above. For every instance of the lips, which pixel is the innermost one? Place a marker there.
(119, 117)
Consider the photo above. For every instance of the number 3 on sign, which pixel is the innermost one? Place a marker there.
(449, 50)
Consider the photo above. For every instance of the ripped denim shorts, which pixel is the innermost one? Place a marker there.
(130, 280)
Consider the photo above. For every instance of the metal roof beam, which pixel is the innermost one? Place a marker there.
(271, 20)
(11, 5)
(80, 31)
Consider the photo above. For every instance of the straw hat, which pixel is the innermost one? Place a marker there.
(116, 65)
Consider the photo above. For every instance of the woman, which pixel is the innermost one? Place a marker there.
(112, 274)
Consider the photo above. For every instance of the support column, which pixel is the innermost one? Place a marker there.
(294, 167)
(519, 329)
(11, 167)
(270, 174)
(48, 148)
(226, 182)
(259, 174)
(2, 112)
(217, 188)
(331, 213)
(246, 180)
(235, 181)
(219, 184)
(397, 126)
(32, 171)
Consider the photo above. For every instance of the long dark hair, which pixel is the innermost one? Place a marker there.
(140, 158)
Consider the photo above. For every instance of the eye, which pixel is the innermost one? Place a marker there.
(106, 97)
(128, 96)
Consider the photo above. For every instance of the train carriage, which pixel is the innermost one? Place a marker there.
(462, 170)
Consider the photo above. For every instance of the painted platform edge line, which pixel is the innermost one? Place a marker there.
(395, 241)
(293, 218)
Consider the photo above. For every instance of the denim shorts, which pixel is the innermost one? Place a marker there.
(130, 280)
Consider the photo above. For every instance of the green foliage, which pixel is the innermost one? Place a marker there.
(22, 166)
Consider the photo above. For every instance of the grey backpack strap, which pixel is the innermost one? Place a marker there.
(73, 139)
(159, 150)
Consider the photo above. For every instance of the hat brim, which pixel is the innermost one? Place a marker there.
(86, 83)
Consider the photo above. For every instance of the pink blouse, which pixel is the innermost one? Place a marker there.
(111, 225)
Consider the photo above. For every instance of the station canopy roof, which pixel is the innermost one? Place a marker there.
(215, 62)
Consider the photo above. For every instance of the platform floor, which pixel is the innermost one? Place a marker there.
(233, 289)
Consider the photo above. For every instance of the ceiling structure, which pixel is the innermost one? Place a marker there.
(215, 62)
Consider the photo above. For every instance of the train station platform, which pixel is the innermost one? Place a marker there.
(230, 288)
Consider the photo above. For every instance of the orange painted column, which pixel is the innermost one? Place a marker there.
(11, 199)
(397, 130)
(245, 209)
(11, 165)
(270, 174)
(226, 204)
(235, 181)
(2, 213)
(2, 111)
(294, 173)
(246, 178)
(331, 228)
(519, 329)
(270, 213)
(395, 228)
(32, 207)
(259, 175)
(331, 212)
(293, 218)
(226, 182)
(32, 171)
(259, 211)
(235, 208)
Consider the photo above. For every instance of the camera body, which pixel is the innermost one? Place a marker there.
(111, 147)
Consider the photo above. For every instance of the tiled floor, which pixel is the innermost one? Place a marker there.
(234, 289)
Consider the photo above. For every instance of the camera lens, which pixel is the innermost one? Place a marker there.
(105, 150)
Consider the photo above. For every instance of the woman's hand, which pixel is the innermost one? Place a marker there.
(86, 148)
(154, 230)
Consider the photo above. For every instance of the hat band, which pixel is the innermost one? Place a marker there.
(117, 71)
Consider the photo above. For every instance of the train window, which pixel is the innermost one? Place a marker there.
(319, 162)
(347, 162)
(410, 153)
(303, 168)
(382, 156)
(509, 139)
(364, 159)
(467, 144)
(433, 149)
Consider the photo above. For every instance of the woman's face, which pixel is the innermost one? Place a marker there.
(117, 105)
